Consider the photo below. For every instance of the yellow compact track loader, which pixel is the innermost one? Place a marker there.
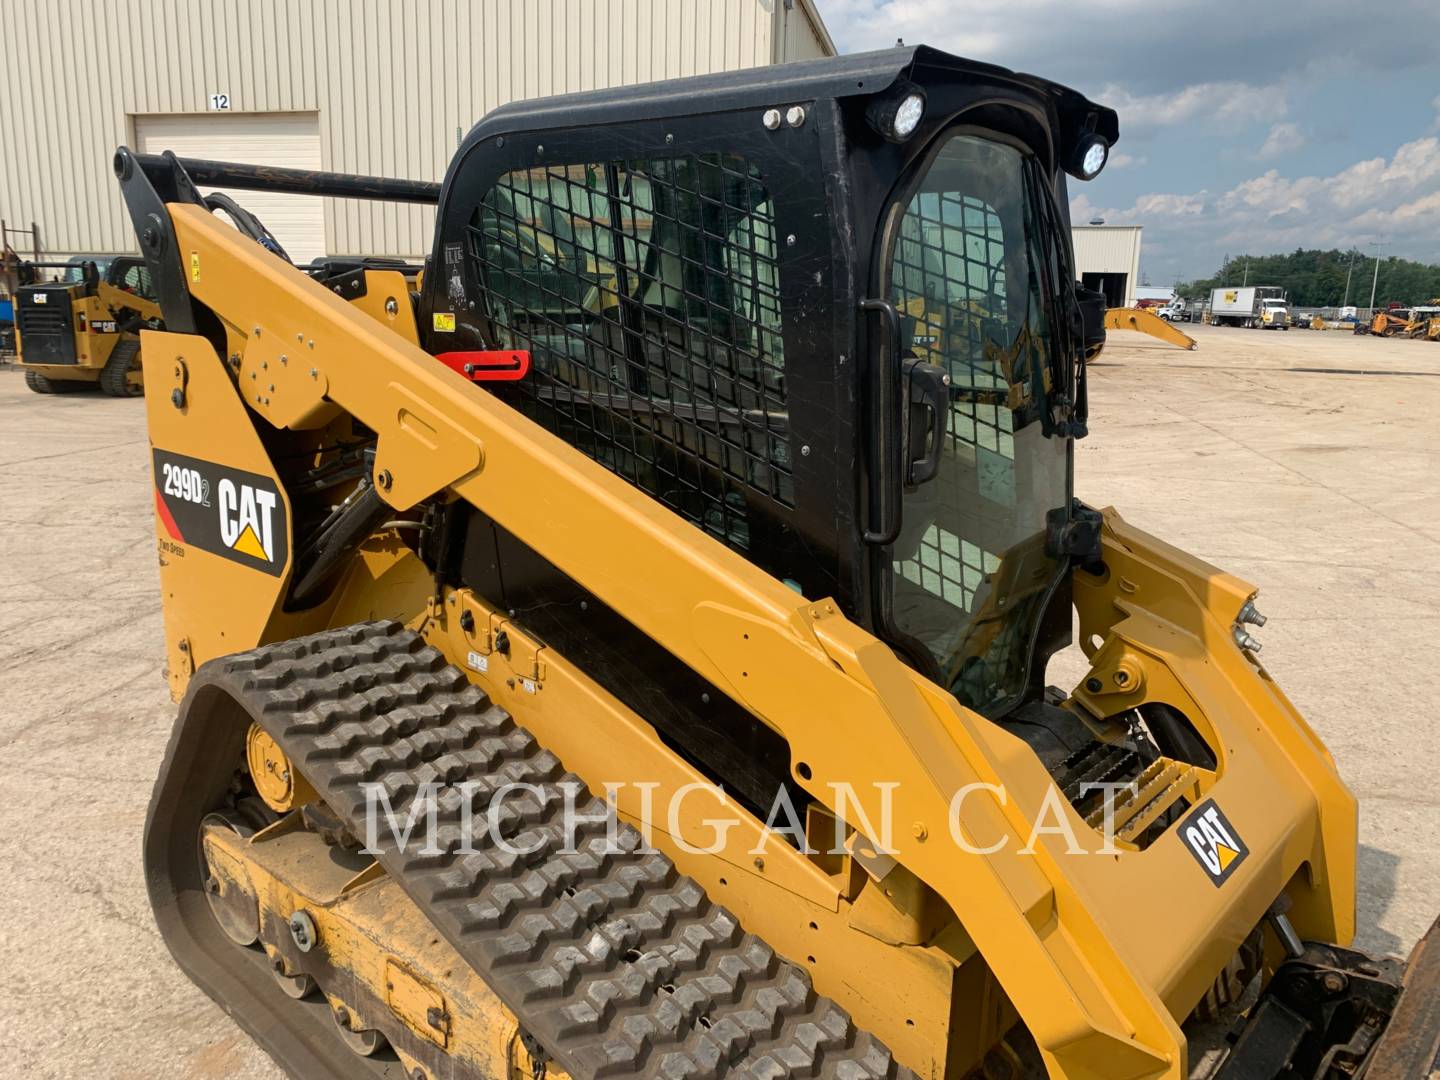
(83, 330)
(627, 655)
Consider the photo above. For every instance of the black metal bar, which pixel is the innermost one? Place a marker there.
(360, 517)
(232, 174)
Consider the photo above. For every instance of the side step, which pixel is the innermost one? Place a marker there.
(613, 962)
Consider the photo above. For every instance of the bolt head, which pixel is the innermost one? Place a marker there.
(795, 116)
(177, 398)
(771, 119)
(302, 931)
(1094, 685)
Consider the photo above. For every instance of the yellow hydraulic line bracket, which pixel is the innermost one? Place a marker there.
(1123, 318)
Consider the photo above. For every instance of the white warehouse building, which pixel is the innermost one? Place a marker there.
(386, 88)
(1107, 257)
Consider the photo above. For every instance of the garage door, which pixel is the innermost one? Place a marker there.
(286, 139)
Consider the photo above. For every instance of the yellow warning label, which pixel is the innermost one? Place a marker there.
(247, 543)
(194, 266)
(445, 322)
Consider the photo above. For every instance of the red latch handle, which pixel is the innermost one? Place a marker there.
(492, 365)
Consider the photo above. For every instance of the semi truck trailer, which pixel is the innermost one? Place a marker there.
(1264, 306)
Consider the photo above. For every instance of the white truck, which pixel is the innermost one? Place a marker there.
(1262, 306)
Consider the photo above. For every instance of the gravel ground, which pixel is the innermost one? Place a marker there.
(1303, 461)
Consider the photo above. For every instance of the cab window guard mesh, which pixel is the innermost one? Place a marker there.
(647, 292)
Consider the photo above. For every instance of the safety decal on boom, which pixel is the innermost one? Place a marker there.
(1213, 841)
(234, 514)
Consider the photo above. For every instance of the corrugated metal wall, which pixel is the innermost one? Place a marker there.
(803, 34)
(395, 82)
(1109, 249)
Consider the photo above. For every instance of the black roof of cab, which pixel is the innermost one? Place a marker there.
(839, 77)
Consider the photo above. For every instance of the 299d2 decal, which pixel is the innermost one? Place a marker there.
(237, 515)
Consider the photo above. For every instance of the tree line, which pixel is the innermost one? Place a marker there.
(1317, 278)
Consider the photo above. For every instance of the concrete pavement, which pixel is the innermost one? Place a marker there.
(1266, 453)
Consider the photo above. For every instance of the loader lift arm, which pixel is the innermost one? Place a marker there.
(739, 628)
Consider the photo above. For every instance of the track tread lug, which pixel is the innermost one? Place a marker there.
(614, 961)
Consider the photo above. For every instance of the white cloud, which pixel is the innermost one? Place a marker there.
(1394, 198)
(1215, 105)
(1414, 163)
(1166, 205)
(1283, 139)
(1120, 160)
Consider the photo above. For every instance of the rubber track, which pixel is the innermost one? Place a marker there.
(616, 963)
(115, 375)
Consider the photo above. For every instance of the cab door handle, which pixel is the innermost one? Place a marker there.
(883, 468)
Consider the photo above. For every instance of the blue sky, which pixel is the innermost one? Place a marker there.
(1243, 126)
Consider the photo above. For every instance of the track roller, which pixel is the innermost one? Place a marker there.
(365, 1041)
(228, 889)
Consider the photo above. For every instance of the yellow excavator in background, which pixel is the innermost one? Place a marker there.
(636, 660)
(1145, 322)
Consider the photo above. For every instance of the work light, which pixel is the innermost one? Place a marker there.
(1091, 157)
(896, 114)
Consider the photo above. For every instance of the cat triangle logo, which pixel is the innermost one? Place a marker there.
(1209, 836)
(249, 544)
(1226, 854)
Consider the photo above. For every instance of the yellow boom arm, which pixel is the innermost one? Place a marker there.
(1141, 321)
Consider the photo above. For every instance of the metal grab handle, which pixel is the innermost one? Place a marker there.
(928, 387)
(886, 471)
